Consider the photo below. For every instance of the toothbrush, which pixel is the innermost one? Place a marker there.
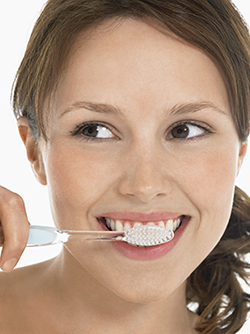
(143, 235)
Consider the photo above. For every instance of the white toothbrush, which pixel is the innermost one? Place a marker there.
(143, 235)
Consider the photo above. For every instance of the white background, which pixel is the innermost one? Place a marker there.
(17, 18)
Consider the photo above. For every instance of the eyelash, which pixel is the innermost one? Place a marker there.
(80, 128)
(194, 123)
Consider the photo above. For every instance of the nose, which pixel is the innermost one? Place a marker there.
(145, 175)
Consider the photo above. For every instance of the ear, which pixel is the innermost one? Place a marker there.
(242, 153)
(33, 150)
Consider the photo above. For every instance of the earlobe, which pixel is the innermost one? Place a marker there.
(33, 150)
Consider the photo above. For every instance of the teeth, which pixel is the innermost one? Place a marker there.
(161, 223)
(112, 226)
(176, 224)
(151, 224)
(127, 226)
(117, 225)
(108, 222)
(170, 224)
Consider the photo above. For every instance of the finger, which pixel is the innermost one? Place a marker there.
(15, 225)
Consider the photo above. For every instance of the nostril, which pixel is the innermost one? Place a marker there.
(146, 195)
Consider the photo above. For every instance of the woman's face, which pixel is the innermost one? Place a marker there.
(141, 131)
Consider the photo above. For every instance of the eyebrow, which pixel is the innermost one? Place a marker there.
(103, 108)
(178, 109)
(181, 109)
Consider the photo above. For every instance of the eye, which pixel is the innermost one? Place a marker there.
(187, 130)
(96, 131)
(93, 131)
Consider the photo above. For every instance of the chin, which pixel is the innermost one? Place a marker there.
(143, 286)
(146, 294)
(144, 298)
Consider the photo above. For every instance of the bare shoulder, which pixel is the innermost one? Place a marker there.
(19, 290)
(15, 282)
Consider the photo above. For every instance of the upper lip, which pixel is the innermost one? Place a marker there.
(142, 217)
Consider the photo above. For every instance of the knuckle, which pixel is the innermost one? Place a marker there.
(12, 201)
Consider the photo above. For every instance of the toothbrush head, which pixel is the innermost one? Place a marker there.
(147, 235)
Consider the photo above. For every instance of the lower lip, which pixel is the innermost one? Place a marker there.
(152, 252)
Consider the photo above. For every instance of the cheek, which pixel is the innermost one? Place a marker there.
(210, 187)
(212, 173)
(215, 176)
(76, 179)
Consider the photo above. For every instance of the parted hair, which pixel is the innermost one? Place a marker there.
(216, 27)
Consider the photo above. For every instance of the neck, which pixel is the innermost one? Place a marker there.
(77, 289)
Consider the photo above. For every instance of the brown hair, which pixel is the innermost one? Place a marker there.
(212, 25)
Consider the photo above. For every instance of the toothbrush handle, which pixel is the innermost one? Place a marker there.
(44, 235)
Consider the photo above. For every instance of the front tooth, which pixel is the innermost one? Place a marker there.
(127, 226)
(170, 224)
(112, 225)
(137, 224)
(150, 224)
(161, 223)
(119, 226)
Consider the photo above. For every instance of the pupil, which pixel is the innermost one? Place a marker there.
(91, 131)
(180, 131)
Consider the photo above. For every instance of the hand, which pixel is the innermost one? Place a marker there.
(15, 226)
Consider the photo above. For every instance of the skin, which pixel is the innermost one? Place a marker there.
(145, 71)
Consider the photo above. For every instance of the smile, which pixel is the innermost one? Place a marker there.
(124, 225)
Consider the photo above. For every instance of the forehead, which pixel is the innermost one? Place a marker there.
(139, 59)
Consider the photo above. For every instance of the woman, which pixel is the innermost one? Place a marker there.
(135, 112)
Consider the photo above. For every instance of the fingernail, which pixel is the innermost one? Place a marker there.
(9, 265)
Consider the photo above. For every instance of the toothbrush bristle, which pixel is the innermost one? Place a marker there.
(146, 235)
